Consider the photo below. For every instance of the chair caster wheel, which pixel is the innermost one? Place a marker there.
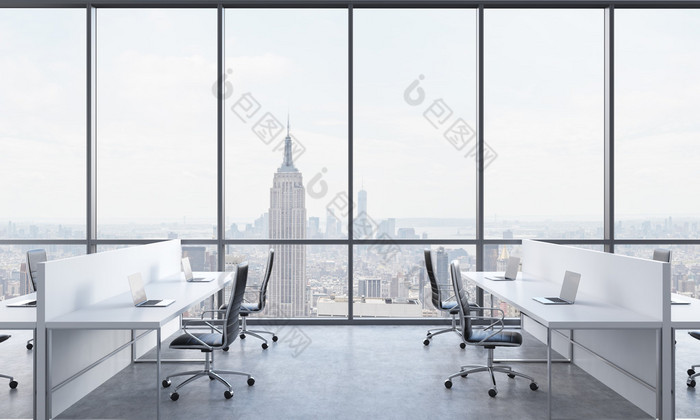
(30, 346)
(426, 342)
(166, 383)
(492, 392)
(251, 381)
(13, 384)
(448, 384)
(691, 371)
(275, 338)
(211, 378)
(511, 376)
(242, 336)
(533, 386)
(691, 383)
(228, 394)
(462, 346)
(264, 346)
(225, 348)
(174, 396)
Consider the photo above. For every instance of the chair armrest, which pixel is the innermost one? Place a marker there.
(196, 338)
(496, 323)
(212, 311)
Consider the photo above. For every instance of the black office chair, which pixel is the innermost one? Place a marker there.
(13, 383)
(490, 337)
(248, 308)
(34, 257)
(215, 340)
(440, 303)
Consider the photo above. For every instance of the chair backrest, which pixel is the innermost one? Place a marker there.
(266, 280)
(663, 255)
(462, 297)
(34, 257)
(231, 321)
(437, 299)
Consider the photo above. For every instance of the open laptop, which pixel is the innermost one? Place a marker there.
(187, 268)
(569, 287)
(511, 270)
(138, 293)
(26, 303)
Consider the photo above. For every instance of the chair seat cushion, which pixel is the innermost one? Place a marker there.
(184, 341)
(249, 307)
(449, 304)
(3, 337)
(695, 334)
(503, 338)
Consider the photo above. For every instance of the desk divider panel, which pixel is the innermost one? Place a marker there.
(632, 283)
(638, 285)
(71, 284)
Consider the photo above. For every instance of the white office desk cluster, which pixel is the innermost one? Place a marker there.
(620, 324)
(86, 326)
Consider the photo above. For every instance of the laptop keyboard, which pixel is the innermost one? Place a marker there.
(150, 302)
(558, 300)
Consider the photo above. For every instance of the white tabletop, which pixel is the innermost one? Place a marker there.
(23, 318)
(119, 312)
(685, 316)
(585, 313)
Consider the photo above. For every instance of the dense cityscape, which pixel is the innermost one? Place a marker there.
(310, 280)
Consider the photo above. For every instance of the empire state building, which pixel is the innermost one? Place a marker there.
(287, 294)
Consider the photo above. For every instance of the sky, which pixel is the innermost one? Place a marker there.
(156, 112)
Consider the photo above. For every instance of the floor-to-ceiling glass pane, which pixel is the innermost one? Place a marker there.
(14, 275)
(156, 123)
(414, 141)
(391, 280)
(42, 123)
(543, 111)
(286, 119)
(322, 294)
(657, 60)
(685, 265)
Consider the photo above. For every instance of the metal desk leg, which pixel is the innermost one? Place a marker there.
(158, 373)
(34, 376)
(49, 387)
(549, 373)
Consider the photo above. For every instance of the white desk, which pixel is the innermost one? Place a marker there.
(683, 317)
(586, 313)
(22, 318)
(119, 313)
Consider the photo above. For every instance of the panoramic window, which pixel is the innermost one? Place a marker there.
(156, 123)
(656, 130)
(42, 124)
(414, 132)
(543, 117)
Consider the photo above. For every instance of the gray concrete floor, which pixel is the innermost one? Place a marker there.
(349, 372)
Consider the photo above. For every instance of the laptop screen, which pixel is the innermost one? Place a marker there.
(187, 268)
(512, 268)
(138, 293)
(570, 286)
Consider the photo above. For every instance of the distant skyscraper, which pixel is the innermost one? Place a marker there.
(287, 220)
(363, 228)
(331, 224)
(313, 229)
(362, 202)
(442, 266)
(197, 256)
(371, 288)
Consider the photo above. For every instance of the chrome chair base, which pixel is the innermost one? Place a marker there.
(490, 368)
(437, 331)
(209, 372)
(255, 333)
